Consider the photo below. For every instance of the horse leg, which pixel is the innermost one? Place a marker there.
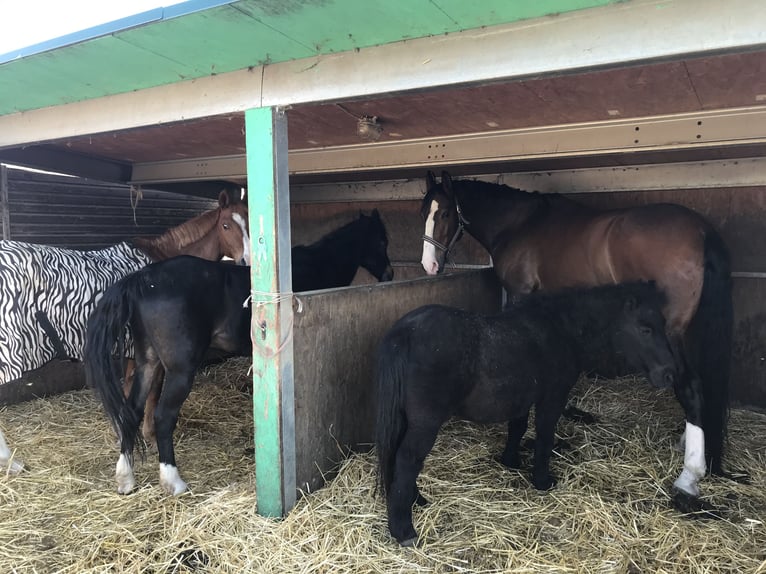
(178, 384)
(148, 431)
(547, 413)
(7, 461)
(415, 446)
(147, 426)
(516, 429)
(133, 411)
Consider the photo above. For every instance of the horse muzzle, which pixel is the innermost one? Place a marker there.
(663, 377)
(387, 275)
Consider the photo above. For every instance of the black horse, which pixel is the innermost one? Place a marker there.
(335, 258)
(175, 310)
(438, 361)
(548, 242)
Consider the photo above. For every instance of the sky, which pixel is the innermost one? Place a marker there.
(26, 22)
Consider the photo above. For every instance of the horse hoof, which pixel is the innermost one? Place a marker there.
(694, 507)
(514, 463)
(15, 466)
(579, 415)
(409, 542)
(125, 487)
(544, 484)
(738, 476)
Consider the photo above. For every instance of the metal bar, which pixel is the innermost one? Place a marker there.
(643, 31)
(717, 128)
(5, 208)
(273, 396)
(52, 159)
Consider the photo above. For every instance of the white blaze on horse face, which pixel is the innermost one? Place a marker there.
(694, 461)
(429, 261)
(245, 237)
(170, 480)
(124, 474)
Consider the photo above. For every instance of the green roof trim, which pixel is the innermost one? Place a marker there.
(203, 37)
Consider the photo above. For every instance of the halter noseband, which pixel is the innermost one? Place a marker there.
(461, 224)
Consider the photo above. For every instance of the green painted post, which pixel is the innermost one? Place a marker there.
(273, 399)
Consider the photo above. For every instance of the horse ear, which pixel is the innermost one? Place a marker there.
(430, 180)
(447, 183)
(223, 199)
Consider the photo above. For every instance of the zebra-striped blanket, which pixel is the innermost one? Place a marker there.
(64, 285)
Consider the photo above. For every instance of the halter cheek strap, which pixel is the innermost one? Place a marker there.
(461, 224)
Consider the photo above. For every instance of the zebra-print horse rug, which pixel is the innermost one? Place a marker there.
(47, 293)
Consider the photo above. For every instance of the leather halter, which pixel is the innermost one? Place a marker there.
(461, 225)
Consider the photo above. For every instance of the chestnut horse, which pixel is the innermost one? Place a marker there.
(549, 242)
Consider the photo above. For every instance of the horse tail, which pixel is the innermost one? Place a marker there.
(391, 418)
(105, 334)
(712, 328)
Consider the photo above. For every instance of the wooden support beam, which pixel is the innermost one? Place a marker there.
(273, 394)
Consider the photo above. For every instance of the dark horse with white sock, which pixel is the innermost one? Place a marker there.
(549, 242)
(175, 309)
(438, 361)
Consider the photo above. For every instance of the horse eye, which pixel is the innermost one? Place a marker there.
(646, 330)
(226, 226)
(445, 214)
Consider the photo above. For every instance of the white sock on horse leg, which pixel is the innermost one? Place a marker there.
(7, 461)
(694, 461)
(124, 475)
(170, 480)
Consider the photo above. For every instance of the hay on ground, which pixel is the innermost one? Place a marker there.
(609, 513)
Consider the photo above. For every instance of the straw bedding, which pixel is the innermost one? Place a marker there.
(609, 513)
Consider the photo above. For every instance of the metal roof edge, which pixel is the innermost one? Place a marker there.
(115, 26)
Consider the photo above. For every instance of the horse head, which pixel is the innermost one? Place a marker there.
(444, 222)
(642, 337)
(232, 228)
(375, 247)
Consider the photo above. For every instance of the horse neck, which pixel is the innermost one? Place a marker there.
(591, 328)
(490, 214)
(341, 248)
(196, 237)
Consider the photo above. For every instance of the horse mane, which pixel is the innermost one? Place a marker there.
(175, 239)
(340, 232)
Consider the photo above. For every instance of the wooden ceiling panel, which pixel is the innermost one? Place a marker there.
(715, 82)
(729, 81)
(623, 93)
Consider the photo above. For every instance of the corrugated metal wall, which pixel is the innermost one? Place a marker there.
(86, 214)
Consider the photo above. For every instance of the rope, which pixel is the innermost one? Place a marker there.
(134, 203)
(262, 298)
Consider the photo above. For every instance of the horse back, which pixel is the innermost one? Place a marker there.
(486, 368)
(589, 247)
(190, 304)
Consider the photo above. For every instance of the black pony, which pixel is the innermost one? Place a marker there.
(175, 310)
(438, 361)
(334, 260)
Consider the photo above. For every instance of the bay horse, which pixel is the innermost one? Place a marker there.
(437, 361)
(8, 462)
(175, 310)
(549, 242)
(335, 258)
(47, 293)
